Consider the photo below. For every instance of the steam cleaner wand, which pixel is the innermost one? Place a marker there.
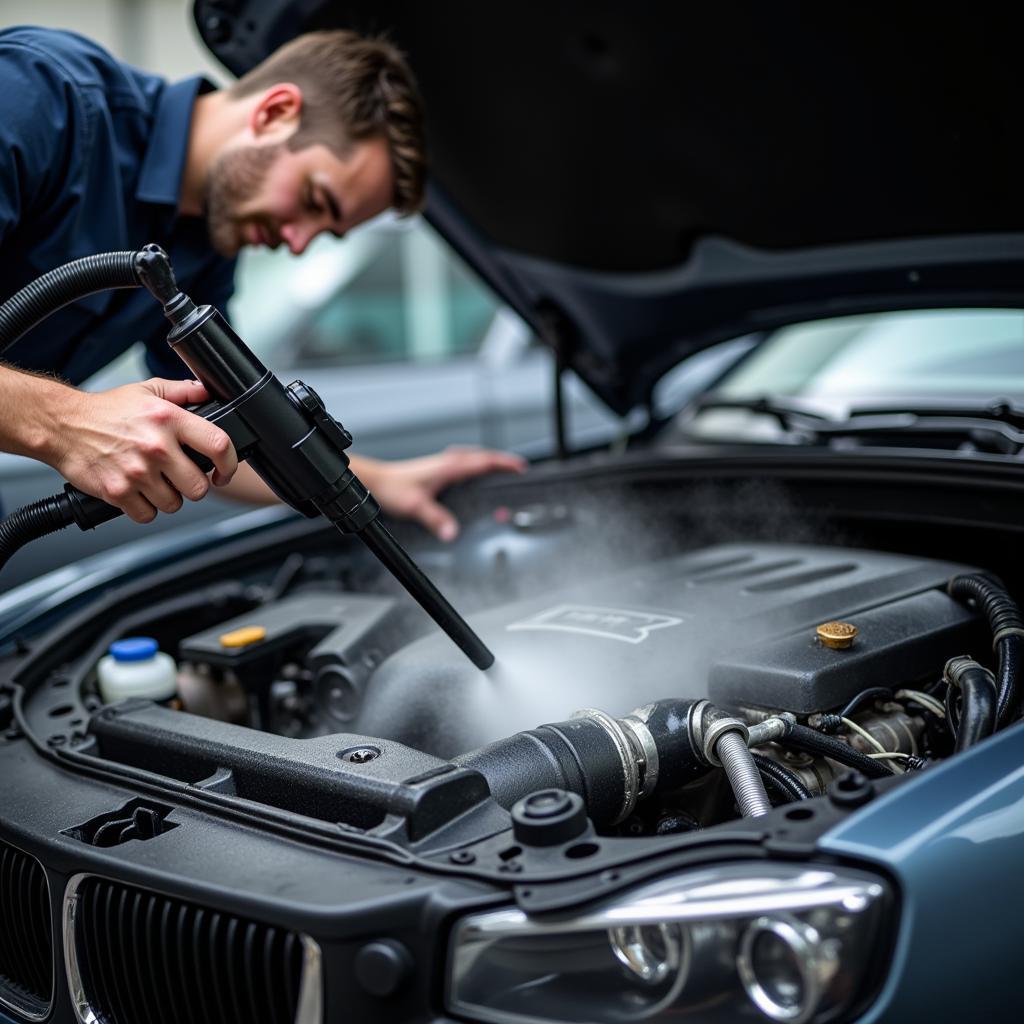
(285, 433)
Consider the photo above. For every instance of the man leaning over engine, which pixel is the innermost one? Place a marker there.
(97, 156)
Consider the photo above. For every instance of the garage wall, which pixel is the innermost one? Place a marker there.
(158, 35)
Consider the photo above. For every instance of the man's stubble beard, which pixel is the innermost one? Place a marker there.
(235, 178)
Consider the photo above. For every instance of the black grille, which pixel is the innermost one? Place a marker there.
(148, 959)
(26, 939)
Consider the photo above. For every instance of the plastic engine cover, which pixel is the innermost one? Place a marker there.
(735, 623)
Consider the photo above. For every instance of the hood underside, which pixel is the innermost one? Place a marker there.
(642, 181)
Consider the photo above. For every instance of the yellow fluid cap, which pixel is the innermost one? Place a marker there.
(837, 635)
(243, 637)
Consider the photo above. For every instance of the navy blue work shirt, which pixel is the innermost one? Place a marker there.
(92, 153)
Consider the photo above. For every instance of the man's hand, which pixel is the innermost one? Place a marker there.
(124, 446)
(409, 488)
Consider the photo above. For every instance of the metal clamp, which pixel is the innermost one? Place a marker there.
(646, 750)
(624, 748)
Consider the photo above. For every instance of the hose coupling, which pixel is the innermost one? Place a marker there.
(770, 729)
(956, 667)
(710, 725)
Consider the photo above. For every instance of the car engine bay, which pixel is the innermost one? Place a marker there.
(310, 690)
(701, 675)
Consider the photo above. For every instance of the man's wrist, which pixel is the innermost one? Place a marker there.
(39, 423)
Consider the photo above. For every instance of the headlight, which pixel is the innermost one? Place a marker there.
(791, 943)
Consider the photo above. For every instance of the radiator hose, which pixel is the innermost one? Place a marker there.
(979, 710)
(1007, 625)
(613, 764)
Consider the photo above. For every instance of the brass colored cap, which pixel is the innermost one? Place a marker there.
(837, 635)
(243, 637)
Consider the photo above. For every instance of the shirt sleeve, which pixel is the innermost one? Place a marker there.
(42, 114)
(216, 286)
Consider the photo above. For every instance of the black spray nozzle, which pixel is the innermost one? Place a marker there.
(155, 273)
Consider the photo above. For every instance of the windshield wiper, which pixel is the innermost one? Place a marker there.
(955, 426)
(997, 426)
(1000, 410)
(789, 417)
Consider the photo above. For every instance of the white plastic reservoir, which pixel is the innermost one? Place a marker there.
(136, 668)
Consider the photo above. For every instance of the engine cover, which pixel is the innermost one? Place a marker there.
(735, 623)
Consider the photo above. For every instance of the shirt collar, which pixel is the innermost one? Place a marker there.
(164, 163)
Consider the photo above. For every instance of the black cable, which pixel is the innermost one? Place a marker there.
(781, 778)
(872, 693)
(68, 283)
(1004, 617)
(813, 742)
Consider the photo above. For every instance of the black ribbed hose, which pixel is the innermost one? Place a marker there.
(73, 281)
(811, 741)
(31, 522)
(1007, 625)
(780, 778)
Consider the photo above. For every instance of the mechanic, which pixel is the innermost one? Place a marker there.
(97, 156)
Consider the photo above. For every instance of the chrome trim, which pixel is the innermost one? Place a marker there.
(76, 990)
(8, 1001)
(813, 960)
(309, 1008)
(623, 747)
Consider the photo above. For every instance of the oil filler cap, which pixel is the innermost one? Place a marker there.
(837, 635)
(243, 637)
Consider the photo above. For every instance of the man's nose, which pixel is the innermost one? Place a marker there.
(298, 236)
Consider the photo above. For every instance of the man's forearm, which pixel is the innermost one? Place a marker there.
(33, 420)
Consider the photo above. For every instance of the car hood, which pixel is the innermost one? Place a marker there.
(641, 181)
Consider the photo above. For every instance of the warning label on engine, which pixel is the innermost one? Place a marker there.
(610, 623)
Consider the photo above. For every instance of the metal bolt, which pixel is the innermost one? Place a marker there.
(361, 756)
(512, 867)
(462, 857)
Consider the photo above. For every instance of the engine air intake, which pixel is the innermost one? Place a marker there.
(26, 938)
(134, 956)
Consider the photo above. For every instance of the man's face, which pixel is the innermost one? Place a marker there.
(267, 194)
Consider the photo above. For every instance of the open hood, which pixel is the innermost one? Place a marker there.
(640, 181)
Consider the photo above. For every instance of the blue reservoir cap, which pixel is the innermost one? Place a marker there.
(133, 648)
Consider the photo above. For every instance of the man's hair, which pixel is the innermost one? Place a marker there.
(353, 88)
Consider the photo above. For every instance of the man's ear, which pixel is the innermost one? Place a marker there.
(277, 110)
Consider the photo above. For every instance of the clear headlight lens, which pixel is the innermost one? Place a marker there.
(778, 942)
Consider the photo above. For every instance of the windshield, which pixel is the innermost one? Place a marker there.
(949, 355)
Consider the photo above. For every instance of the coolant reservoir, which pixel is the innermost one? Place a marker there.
(136, 668)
